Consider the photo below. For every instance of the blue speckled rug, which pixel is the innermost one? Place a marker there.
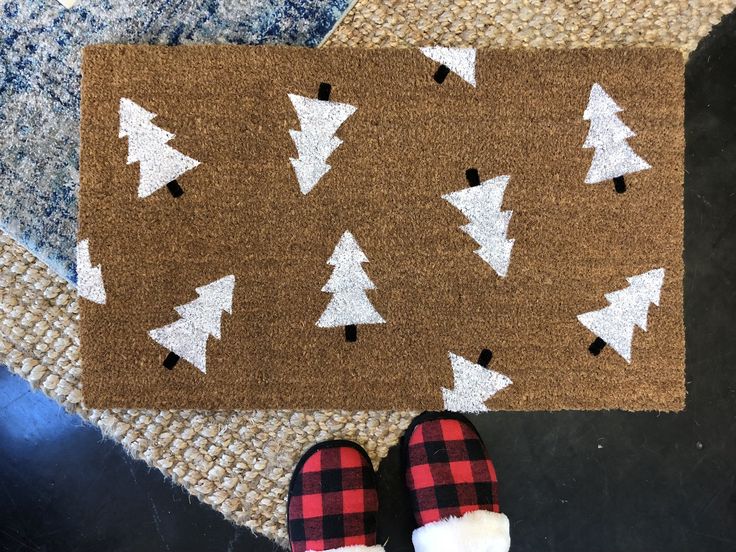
(40, 50)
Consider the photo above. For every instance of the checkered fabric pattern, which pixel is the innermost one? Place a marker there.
(448, 471)
(333, 498)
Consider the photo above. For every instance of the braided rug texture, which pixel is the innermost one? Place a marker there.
(530, 23)
(240, 462)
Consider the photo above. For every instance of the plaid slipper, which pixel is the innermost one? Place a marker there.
(333, 500)
(452, 485)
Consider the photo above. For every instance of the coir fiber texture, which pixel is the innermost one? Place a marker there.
(40, 58)
(409, 142)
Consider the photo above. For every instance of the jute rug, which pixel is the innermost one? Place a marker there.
(39, 311)
(530, 23)
(218, 291)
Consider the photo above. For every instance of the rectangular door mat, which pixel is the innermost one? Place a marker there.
(382, 229)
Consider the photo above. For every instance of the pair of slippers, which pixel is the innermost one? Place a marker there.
(451, 481)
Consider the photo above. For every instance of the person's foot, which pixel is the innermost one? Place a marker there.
(452, 486)
(333, 500)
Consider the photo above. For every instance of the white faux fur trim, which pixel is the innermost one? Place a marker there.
(356, 548)
(478, 531)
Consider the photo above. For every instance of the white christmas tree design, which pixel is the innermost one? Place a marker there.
(187, 337)
(319, 119)
(349, 305)
(89, 278)
(474, 384)
(481, 204)
(160, 164)
(628, 307)
(460, 61)
(613, 157)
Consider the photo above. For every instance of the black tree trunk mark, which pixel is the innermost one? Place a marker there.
(597, 346)
(441, 74)
(619, 184)
(472, 177)
(324, 91)
(175, 189)
(485, 357)
(171, 360)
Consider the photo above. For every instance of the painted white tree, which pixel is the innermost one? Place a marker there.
(187, 337)
(319, 120)
(481, 204)
(160, 164)
(613, 157)
(89, 278)
(349, 305)
(474, 383)
(628, 307)
(460, 61)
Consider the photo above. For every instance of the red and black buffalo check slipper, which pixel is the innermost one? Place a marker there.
(453, 487)
(333, 500)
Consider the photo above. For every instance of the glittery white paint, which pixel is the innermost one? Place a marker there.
(474, 385)
(201, 318)
(349, 304)
(318, 120)
(460, 61)
(147, 145)
(628, 307)
(488, 224)
(89, 278)
(613, 156)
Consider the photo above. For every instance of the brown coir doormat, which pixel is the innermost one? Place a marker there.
(382, 229)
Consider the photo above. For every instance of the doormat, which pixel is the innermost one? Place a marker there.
(381, 229)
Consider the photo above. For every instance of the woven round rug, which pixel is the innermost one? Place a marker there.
(240, 462)
(530, 23)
